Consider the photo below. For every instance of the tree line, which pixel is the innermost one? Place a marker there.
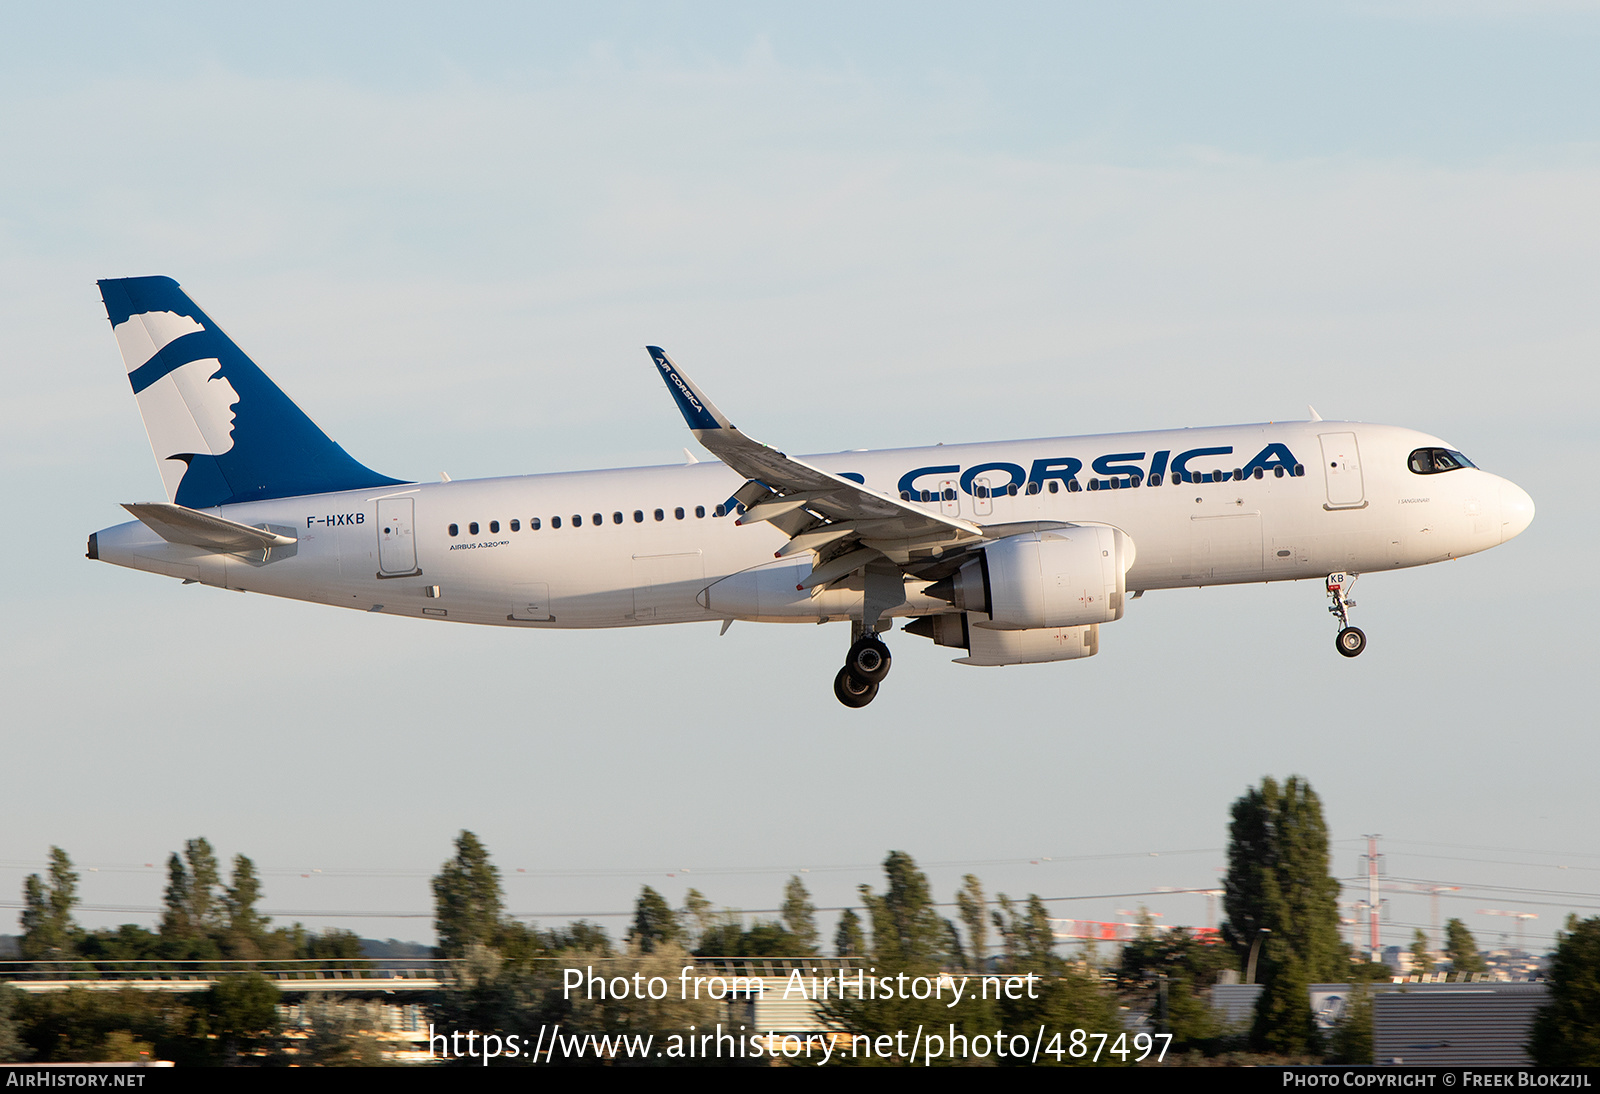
(203, 919)
(1282, 931)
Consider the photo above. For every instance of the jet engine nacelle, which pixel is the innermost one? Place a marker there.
(1029, 647)
(986, 646)
(1064, 577)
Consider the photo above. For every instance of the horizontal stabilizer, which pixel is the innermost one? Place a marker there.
(176, 524)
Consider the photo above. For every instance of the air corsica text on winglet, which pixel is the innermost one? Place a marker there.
(694, 410)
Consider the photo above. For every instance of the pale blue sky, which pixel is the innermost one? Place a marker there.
(448, 237)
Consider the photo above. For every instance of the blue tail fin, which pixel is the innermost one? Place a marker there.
(222, 432)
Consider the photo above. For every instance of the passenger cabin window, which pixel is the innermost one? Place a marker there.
(700, 511)
(678, 512)
(555, 522)
(661, 514)
(616, 518)
(533, 524)
(455, 529)
(1433, 461)
(638, 516)
(577, 520)
(494, 527)
(473, 528)
(598, 520)
(516, 525)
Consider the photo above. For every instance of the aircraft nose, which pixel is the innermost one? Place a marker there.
(1516, 510)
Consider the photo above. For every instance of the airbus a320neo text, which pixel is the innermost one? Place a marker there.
(1014, 552)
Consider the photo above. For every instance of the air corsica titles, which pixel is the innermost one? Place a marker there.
(1113, 465)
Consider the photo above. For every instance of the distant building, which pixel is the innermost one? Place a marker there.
(1483, 1023)
(1455, 1025)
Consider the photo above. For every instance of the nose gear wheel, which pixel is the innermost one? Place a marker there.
(1350, 641)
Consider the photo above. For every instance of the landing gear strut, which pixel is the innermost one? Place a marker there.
(864, 669)
(1350, 640)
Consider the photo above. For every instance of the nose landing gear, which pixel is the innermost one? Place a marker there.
(1350, 641)
(864, 669)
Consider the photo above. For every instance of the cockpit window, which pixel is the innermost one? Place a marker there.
(1431, 461)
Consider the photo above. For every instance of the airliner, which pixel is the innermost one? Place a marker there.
(1015, 552)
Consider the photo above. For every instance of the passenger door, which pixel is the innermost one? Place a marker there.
(1341, 469)
(397, 548)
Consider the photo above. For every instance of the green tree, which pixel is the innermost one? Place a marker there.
(1062, 997)
(128, 942)
(243, 1011)
(340, 1033)
(579, 936)
(246, 927)
(848, 940)
(1351, 1040)
(194, 907)
(653, 922)
(799, 916)
(973, 910)
(1462, 949)
(341, 947)
(1421, 955)
(1027, 937)
(1168, 976)
(467, 902)
(205, 879)
(910, 940)
(764, 939)
(671, 1019)
(1278, 891)
(698, 917)
(48, 931)
(175, 921)
(907, 931)
(12, 1050)
(1566, 1031)
(78, 1025)
(486, 993)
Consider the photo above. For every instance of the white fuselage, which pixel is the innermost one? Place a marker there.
(579, 557)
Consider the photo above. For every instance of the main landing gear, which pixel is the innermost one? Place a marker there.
(864, 669)
(1350, 640)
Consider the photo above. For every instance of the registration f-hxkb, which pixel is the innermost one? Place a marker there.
(1014, 552)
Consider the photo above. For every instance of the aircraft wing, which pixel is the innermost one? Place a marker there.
(845, 523)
